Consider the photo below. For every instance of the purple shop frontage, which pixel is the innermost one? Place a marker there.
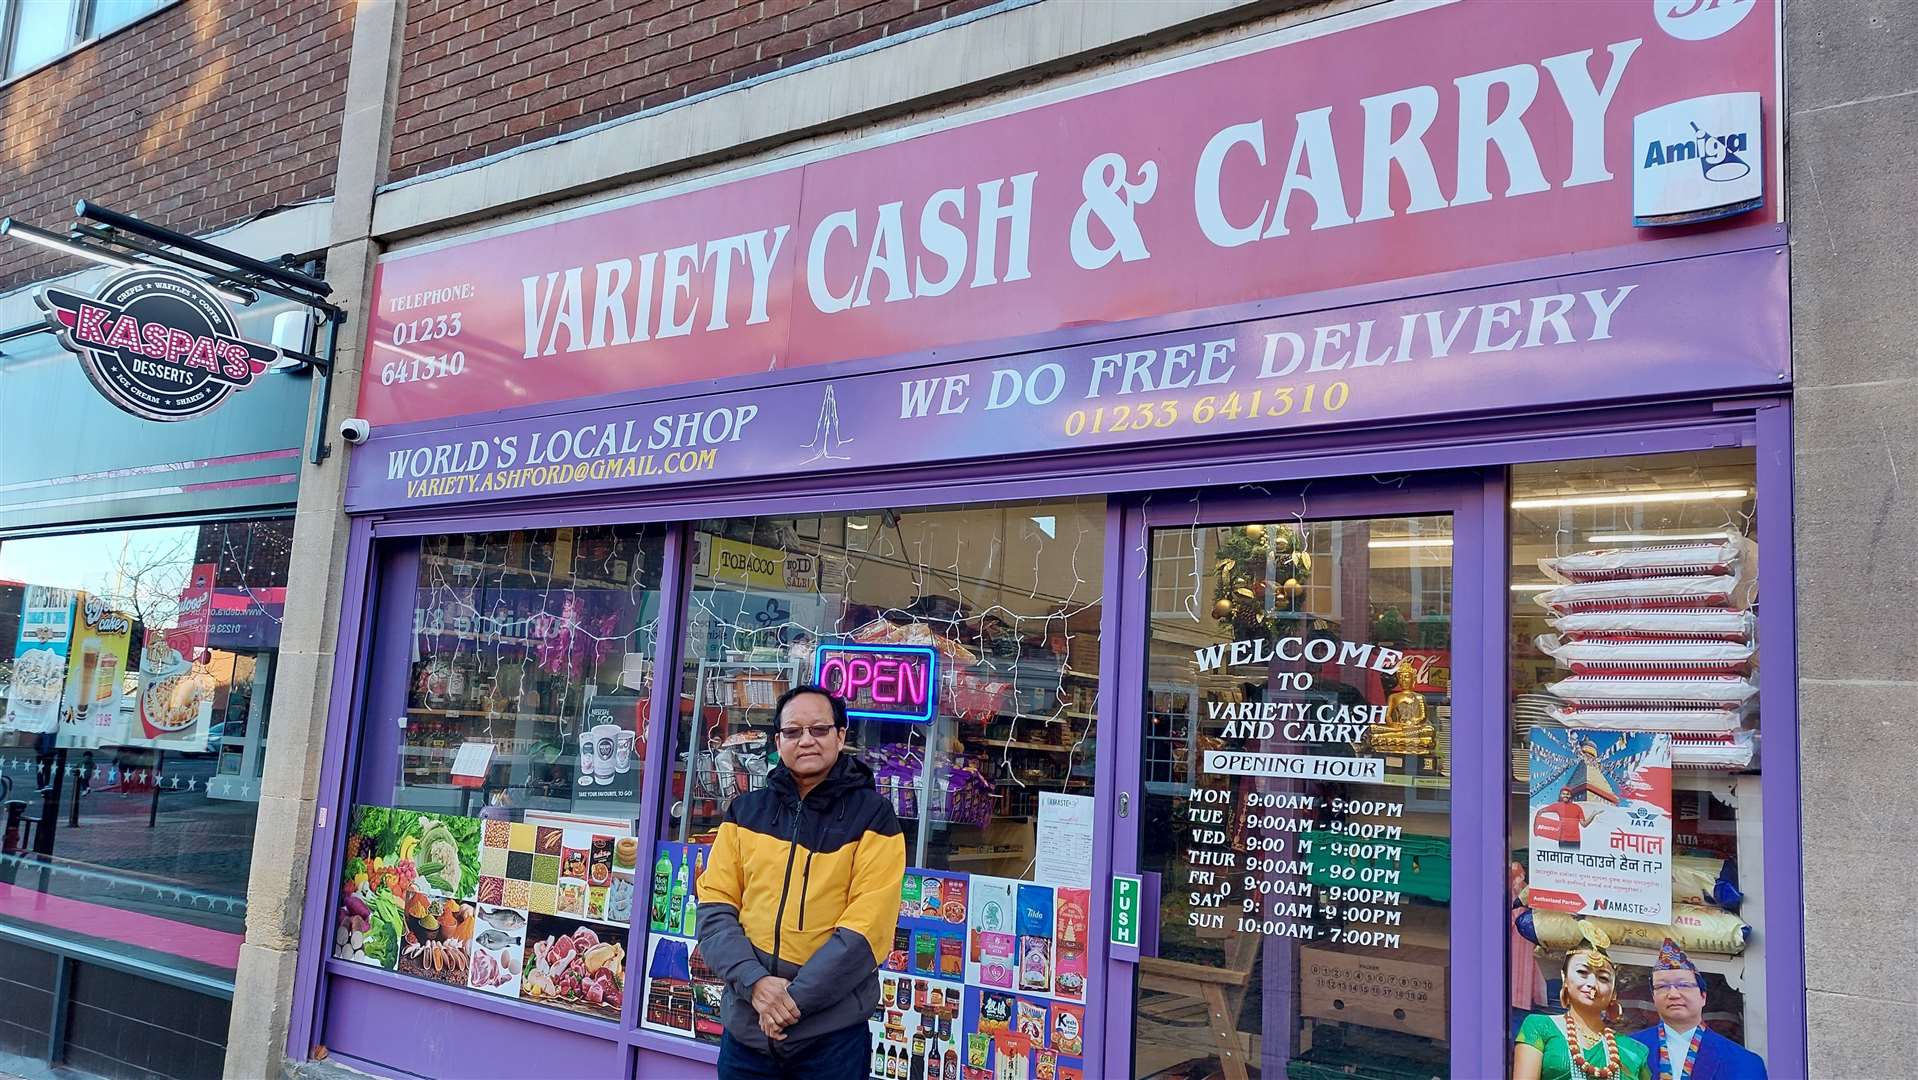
(1312, 544)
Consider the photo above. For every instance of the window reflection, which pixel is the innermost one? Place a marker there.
(136, 673)
(1007, 597)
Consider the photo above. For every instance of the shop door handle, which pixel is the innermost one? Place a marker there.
(1149, 918)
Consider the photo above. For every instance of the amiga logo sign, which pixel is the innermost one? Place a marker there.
(156, 344)
(1698, 160)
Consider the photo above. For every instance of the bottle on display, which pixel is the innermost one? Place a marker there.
(662, 885)
(456, 682)
(676, 911)
(898, 1067)
(692, 897)
(880, 1065)
(952, 1063)
(918, 1064)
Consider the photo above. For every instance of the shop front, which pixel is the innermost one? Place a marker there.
(146, 527)
(1286, 520)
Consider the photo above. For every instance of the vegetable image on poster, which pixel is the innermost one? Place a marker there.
(405, 893)
(1601, 823)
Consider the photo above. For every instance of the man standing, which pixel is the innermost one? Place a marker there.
(1682, 1048)
(799, 902)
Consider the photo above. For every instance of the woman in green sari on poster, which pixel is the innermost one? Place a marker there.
(1580, 1044)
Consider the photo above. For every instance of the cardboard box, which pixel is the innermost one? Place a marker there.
(1400, 990)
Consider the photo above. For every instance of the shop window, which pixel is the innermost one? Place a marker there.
(990, 771)
(506, 860)
(1636, 741)
(106, 16)
(136, 672)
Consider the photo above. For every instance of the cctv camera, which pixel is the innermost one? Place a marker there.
(355, 430)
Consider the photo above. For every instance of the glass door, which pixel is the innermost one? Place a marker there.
(1298, 715)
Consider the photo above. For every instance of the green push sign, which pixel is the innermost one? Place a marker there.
(1125, 912)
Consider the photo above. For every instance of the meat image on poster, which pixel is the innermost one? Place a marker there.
(574, 965)
(97, 657)
(40, 660)
(1601, 823)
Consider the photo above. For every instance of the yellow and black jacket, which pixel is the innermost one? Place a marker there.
(807, 890)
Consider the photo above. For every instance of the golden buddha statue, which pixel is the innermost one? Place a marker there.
(1405, 730)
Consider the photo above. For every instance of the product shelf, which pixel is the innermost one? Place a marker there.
(1046, 747)
(482, 570)
(481, 714)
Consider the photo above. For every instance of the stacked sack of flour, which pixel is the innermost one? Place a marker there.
(1658, 638)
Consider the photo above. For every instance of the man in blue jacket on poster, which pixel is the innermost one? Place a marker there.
(1682, 1048)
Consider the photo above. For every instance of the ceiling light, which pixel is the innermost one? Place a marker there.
(1535, 587)
(857, 523)
(1636, 538)
(1410, 542)
(56, 242)
(14, 229)
(1632, 497)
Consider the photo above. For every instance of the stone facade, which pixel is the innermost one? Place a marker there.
(1852, 133)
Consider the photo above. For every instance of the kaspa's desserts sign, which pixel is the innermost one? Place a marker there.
(156, 344)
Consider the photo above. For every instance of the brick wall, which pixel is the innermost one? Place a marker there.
(206, 114)
(124, 1027)
(26, 999)
(482, 76)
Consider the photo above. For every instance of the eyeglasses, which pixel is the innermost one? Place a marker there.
(1670, 987)
(817, 731)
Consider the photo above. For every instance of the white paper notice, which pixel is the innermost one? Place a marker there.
(1064, 843)
(472, 759)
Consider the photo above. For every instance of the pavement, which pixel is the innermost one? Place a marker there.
(16, 1067)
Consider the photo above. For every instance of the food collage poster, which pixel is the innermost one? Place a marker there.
(508, 908)
(39, 661)
(96, 662)
(1027, 963)
(1601, 823)
(681, 993)
(917, 1028)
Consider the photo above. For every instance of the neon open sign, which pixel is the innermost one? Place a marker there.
(881, 682)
